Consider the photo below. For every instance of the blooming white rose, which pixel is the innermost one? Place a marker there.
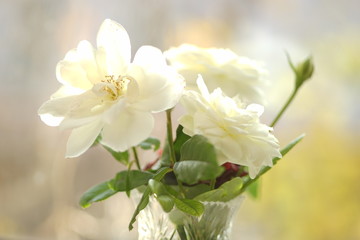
(222, 68)
(104, 92)
(233, 129)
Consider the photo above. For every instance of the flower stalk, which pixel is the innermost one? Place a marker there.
(170, 136)
(137, 162)
(302, 72)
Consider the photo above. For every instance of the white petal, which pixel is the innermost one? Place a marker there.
(129, 129)
(76, 110)
(157, 91)
(113, 38)
(256, 108)
(87, 59)
(50, 120)
(72, 74)
(57, 107)
(82, 138)
(149, 57)
(202, 87)
(66, 91)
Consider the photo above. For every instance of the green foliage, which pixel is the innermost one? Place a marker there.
(144, 201)
(150, 143)
(162, 195)
(193, 191)
(189, 206)
(198, 148)
(198, 161)
(96, 193)
(128, 180)
(224, 193)
(193, 171)
(180, 139)
(303, 71)
(122, 157)
(145, 197)
(253, 189)
(166, 202)
(157, 187)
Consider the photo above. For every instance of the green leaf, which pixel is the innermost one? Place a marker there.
(171, 190)
(162, 195)
(288, 147)
(181, 231)
(165, 156)
(189, 206)
(198, 161)
(157, 187)
(193, 191)
(224, 193)
(96, 193)
(128, 183)
(253, 189)
(192, 171)
(181, 138)
(198, 148)
(145, 197)
(166, 202)
(142, 204)
(161, 173)
(150, 143)
(128, 180)
(122, 157)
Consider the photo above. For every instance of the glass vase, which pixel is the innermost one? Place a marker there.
(214, 224)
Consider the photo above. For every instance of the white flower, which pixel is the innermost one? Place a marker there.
(220, 68)
(103, 92)
(234, 130)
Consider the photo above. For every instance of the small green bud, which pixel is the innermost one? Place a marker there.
(303, 71)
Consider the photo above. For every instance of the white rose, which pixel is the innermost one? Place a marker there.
(233, 128)
(221, 68)
(103, 92)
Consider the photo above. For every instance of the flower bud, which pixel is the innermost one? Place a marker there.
(304, 71)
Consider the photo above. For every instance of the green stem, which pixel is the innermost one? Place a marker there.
(291, 98)
(173, 234)
(136, 158)
(212, 184)
(170, 136)
(171, 146)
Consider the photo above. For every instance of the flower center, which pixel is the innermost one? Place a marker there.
(113, 87)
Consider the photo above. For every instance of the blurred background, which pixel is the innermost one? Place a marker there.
(313, 193)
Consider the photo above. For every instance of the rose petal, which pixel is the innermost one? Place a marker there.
(157, 91)
(128, 130)
(82, 138)
(149, 57)
(72, 74)
(113, 38)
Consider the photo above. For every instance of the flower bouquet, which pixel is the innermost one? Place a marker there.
(218, 151)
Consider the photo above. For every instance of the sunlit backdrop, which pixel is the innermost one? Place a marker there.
(312, 194)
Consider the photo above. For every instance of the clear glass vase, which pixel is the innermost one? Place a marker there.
(214, 224)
